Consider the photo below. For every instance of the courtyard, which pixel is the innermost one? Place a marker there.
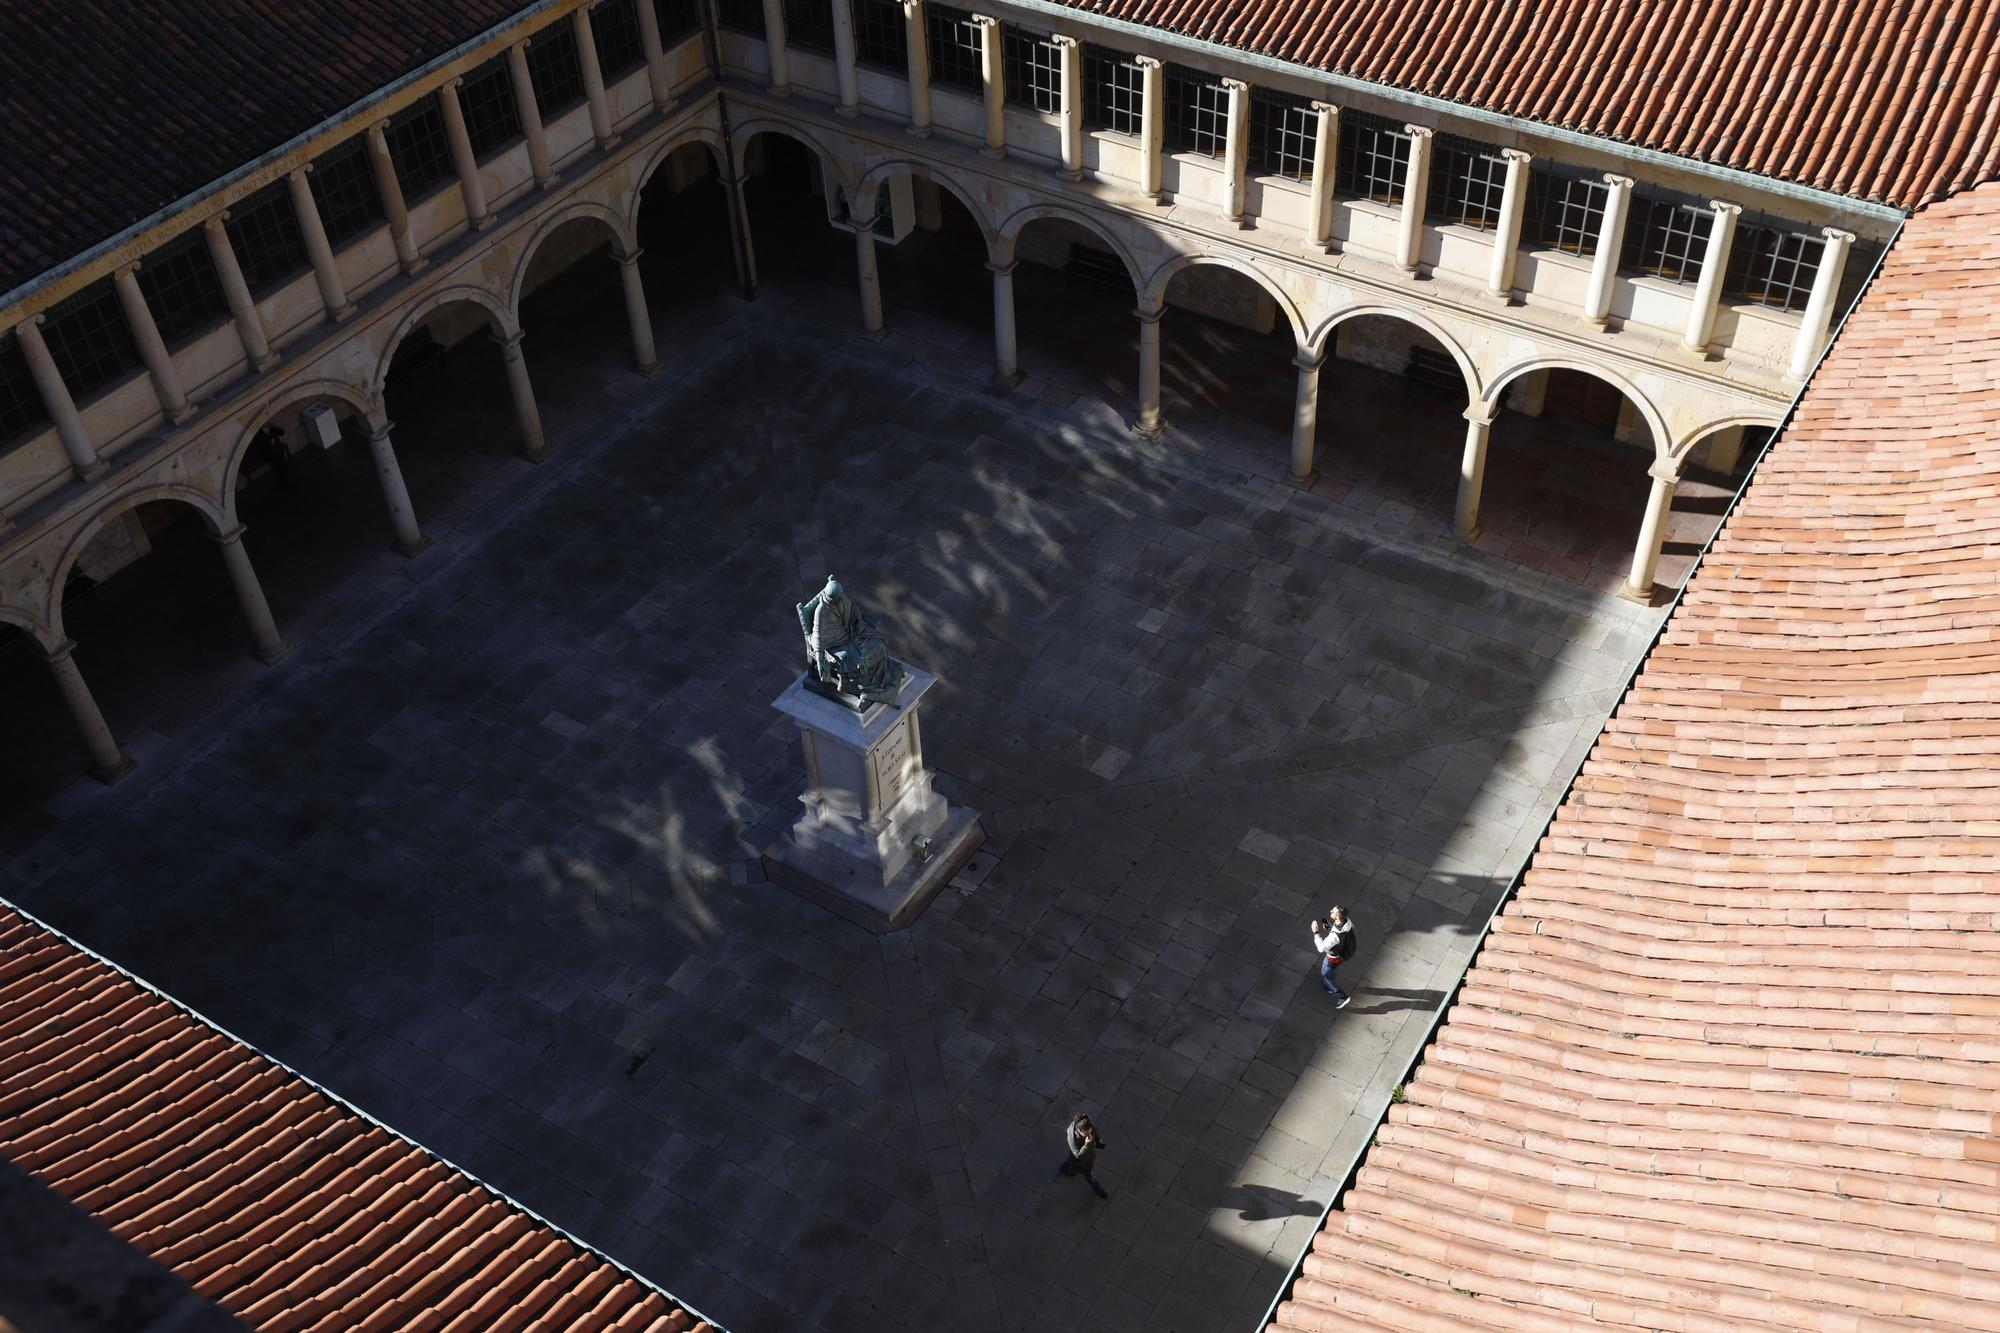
(483, 853)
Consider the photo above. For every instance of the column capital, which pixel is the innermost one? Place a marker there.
(454, 83)
(521, 46)
(1005, 270)
(912, 8)
(1419, 131)
(1310, 360)
(985, 21)
(127, 269)
(1836, 234)
(1149, 316)
(377, 129)
(1617, 182)
(1477, 415)
(302, 170)
(627, 257)
(34, 321)
(509, 342)
(377, 431)
(213, 222)
(229, 538)
(1062, 39)
(1327, 109)
(1517, 155)
(1723, 208)
(1666, 469)
(1235, 85)
(58, 652)
(1149, 62)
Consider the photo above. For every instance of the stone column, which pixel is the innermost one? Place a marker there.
(1818, 317)
(1006, 355)
(76, 441)
(1610, 244)
(1149, 423)
(531, 116)
(844, 69)
(645, 359)
(917, 38)
(1236, 150)
(1152, 124)
(235, 291)
(992, 85)
(593, 80)
(152, 348)
(774, 45)
(1326, 155)
(393, 207)
(326, 272)
(522, 390)
(1507, 236)
(1472, 473)
(1416, 192)
(871, 282)
(1305, 417)
(470, 188)
(741, 247)
(657, 80)
(1652, 534)
(410, 539)
(1070, 118)
(1714, 264)
(107, 762)
(267, 643)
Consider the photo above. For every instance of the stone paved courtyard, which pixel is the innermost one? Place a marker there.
(480, 855)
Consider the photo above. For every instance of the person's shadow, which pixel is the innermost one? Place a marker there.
(1262, 1203)
(1386, 1000)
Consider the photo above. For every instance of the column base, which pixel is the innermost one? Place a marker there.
(185, 414)
(1071, 174)
(1468, 536)
(917, 131)
(605, 145)
(414, 550)
(876, 335)
(649, 369)
(265, 362)
(1009, 382)
(545, 182)
(878, 907)
(484, 220)
(108, 776)
(851, 112)
(92, 472)
(533, 455)
(995, 153)
(1146, 432)
(778, 89)
(272, 656)
(1643, 596)
(416, 266)
(662, 108)
(342, 315)
(1302, 483)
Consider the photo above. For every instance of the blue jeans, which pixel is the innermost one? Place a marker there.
(1326, 966)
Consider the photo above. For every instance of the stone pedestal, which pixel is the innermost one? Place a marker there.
(875, 843)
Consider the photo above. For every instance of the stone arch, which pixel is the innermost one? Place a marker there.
(1467, 367)
(861, 199)
(718, 152)
(1689, 439)
(30, 625)
(1655, 422)
(1154, 291)
(503, 322)
(1009, 232)
(355, 396)
(212, 511)
(621, 236)
(739, 147)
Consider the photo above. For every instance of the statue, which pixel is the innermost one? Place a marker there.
(846, 658)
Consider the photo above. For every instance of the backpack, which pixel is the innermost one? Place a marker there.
(1347, 941)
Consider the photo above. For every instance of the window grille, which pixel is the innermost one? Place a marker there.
(181, 287)
(486, 99)
(954, 48)
(1033, 63)
(809, 25)
(1564, 212)
(20, 401)
(1374, 157)
(1283, 129)
(417, 147)
(679, 20)
(265, 236)
(88, 339)
(554, 70)
(1197, 112)
(1667, 236)
(744, 16)
(615, 26)
(343, 187)
(879, 35)
(1468, 182)
(1771, 264)
(1114, 91)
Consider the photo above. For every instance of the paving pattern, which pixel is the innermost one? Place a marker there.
(480, 854)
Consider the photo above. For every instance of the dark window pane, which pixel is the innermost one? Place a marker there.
(343, 186)
(1283, 127)
(615, 25)
(1468, 182)
(487, 100)
(1197, 112)
(955, 48)
(553, 69)
(20, 401)
(1773, 265)
(1374, 157)
(265, 236)
(417, 147)
(89, 340)
(744, 16)
(1565, 212)
(809, 25)
(1033, 66)
(679, 20)
(1113, 91)
(181, 287)
(879, 35)
(1666, 235)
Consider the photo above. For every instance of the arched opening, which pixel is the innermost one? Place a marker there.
(1073, 304)
(790, 194)
(932, 256)
(686, 258)
(1391, 423)
(447, 393)
(1228, 357)
(573, 312)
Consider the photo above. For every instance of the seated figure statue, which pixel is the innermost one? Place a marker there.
(846, 658)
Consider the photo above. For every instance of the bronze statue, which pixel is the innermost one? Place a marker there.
(846, 659)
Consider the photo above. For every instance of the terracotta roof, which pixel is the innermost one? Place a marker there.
(1731, 1058)
(270, 1199)
(1891, 100)
(116, 108)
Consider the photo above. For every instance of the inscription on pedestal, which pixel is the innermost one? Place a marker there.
(892, 765)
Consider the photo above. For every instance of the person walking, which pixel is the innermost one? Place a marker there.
(1084, 1146)
(1335, 939)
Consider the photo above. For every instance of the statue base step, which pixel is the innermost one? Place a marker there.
(845, 886)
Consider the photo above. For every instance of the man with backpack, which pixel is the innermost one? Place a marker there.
(1335, 939)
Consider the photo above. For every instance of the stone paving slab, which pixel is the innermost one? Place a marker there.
(480, 855)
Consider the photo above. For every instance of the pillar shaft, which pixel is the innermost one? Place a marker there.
(395, 494)
(1305, 418)
(268, 644)
(393, 206)
(1236, 150)
(845, 73)
(1326, 152)
(1818, 317)
(593, 80)
(992, 84)
(1006, 354)
(236, 292)
(1652, 534)
(1416, 193)
(1152, 123)
(1714, 264)
(742, 250)
(326, 272)
(645, 359)
(470, 188)
(774, 44)
(1149, 423)
(522, 390)
(107, 762)
(76, 441)
(871, 282)
(1610, 244)
(1507, 235)
(1471, 474)
(1070, 116)
(917, 40)
(657, 81)
(152, 347)
(530, 111)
